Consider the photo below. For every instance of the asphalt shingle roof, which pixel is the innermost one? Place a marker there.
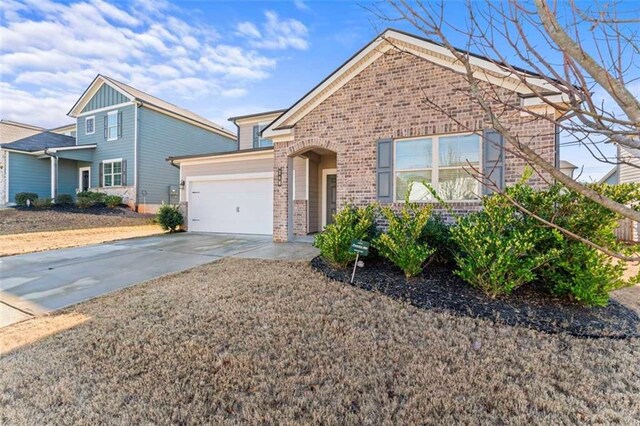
(41, 141)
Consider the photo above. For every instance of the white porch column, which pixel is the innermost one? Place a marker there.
(54, 177)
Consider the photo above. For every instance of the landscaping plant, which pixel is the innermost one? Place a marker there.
(42, 203)
(401, 243)
(348, 224)
(581, 271)
(169, 217)
(64, 199)
(497, 250)
(22, 197)
(112, 201)
(83, 201)
(438, 233)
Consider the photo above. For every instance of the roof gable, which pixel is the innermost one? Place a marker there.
(484, 69)
(131, 94)
(104, 97)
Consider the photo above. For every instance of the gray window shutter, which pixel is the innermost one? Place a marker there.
(493, 164)
(120, 124)
(256, 136)
(100, 174)
(124, 172)
(384, 173)
(106, 127)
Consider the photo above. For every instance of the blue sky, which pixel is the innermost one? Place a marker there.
(216, 58)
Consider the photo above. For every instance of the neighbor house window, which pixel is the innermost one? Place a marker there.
(112, 125)
(442, 161)
(112, 173)
(89, 126)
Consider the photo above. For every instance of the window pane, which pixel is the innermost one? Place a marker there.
(457, 150)
(117, 180)
(419, 192)
(117, 167)
(107, 180)
(457, 184)
(107, 168)
(265, 142)
(413, 154)
(112, 120)
(113, 133)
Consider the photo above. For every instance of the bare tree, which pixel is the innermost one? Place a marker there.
(550, 42)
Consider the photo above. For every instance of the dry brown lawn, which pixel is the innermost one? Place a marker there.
(248, 341)
(13, 221)
(42, 241)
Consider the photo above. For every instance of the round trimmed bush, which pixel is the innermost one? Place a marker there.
(64, 199)
(170, 218)
(112, 201)
(22, 197)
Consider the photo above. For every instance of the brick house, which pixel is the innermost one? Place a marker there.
(361, 136)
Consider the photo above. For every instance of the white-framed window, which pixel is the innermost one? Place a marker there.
(112, 173)
(259, 141)
(89, 125)
(444, 161)
(112, 125)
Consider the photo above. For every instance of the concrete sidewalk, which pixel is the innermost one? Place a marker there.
(43, 282)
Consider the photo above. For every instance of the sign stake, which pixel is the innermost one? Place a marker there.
(355, 265)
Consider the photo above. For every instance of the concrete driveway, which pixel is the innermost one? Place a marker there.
(37, 283)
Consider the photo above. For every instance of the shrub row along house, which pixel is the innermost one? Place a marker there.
(122, 139)
(361, 135)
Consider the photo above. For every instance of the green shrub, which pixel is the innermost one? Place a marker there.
(401, 243)
(580, 271)
(22, 197)
(96, 197)
(112, 201)
(84, 201)
(497, 249)
(42, 203)
(64, 199)
(349, 223)
(438, 234)
(169, 217)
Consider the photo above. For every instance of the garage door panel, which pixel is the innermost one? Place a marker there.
(232, 206)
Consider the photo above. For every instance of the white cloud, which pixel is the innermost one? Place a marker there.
(51, 51)
(277, 33)
(300, 5)
(248, 29)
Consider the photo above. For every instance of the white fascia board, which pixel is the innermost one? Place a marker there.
(255, 119)
(225, 158)
(112, 107)
(72, 148)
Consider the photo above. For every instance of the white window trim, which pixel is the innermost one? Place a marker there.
(92, 118)
(80, 170)
(114, 160)
(435, 166)
(109, 114)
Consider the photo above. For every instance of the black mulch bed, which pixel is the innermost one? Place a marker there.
(97, 209)
(529, 306)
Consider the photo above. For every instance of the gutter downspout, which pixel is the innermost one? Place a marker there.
(54, 173)
(136, 105)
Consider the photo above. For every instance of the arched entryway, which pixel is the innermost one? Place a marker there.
(312, 191)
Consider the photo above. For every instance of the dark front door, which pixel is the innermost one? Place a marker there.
(332, 192)
(85, 180)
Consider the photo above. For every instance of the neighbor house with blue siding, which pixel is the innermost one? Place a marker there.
(123, 137)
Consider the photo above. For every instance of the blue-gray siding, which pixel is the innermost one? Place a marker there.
(161, 136)
(106, 96)
(28, 173)
(67, 177)
(123, 147)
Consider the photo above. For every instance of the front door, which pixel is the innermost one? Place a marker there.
(332, 192)
(84, 179)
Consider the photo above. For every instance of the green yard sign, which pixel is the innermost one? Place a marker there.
(359, 247)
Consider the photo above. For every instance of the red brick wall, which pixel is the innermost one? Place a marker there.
(386, 100)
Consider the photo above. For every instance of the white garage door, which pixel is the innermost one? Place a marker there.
(232, 205)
